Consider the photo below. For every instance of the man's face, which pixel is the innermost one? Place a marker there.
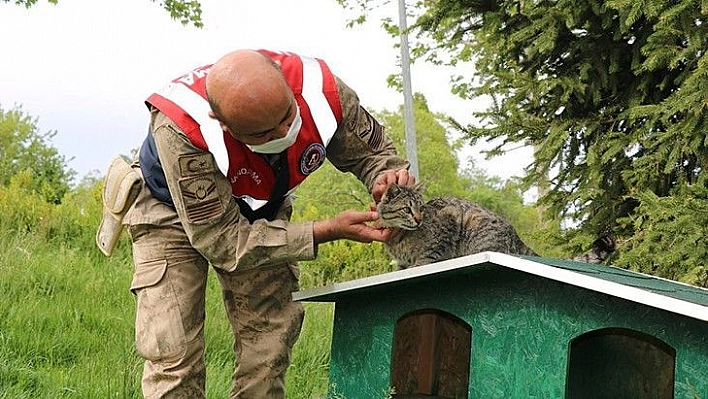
(273, 126)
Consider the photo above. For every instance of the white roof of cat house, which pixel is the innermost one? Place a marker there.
(649, 290)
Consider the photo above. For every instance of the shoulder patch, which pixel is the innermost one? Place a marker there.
(312, 158)
(371, 131)
(200, 198)
(196, 164)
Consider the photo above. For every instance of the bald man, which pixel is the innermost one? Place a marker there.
(228, 144)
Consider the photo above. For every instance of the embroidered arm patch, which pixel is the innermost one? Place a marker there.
(371, 131)
(200, 198)
(196, 164)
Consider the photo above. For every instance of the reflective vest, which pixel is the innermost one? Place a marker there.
(252, 178)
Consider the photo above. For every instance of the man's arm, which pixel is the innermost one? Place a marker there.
(350, 225)
(211, 218)
(361, 147)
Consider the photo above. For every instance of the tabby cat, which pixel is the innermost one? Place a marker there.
(442, 228)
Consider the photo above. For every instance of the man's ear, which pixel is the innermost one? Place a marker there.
(225, 128)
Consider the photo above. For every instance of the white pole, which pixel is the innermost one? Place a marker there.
(408, 118)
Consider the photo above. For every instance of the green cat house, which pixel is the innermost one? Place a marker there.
(492, 325)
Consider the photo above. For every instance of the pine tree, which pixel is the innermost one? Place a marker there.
(611, 94)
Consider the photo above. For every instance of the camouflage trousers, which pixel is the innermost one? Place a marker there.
(170, 282)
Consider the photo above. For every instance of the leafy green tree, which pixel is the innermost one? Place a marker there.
(610, 93)
(438, 163)
(24, 149)
(444, 175)
(184, 11)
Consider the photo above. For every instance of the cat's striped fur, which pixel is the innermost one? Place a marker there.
(442, 228)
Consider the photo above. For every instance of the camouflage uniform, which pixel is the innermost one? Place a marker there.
(172, 256)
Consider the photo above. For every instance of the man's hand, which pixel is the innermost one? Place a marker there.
(350, 225)
(400, 176)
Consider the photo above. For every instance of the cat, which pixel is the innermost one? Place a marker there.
(602, 248)
(442, 228)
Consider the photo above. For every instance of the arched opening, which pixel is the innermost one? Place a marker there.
(431, 356)
(620, 363)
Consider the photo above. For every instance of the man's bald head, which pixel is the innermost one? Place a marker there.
(247, 92)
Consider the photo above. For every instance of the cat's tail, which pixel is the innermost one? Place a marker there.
(601, 249)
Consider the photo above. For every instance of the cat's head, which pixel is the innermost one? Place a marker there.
(400, 206)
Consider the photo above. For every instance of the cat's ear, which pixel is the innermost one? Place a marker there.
(419, 187)
(393, 190)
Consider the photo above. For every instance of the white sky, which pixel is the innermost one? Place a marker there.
(84, 67)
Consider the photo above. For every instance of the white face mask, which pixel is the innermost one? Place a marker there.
(279, 145)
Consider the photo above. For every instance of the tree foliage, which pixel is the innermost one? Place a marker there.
(184, 11)
(612, 95)
(23, 149)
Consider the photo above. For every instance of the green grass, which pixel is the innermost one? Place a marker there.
(66, 327)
